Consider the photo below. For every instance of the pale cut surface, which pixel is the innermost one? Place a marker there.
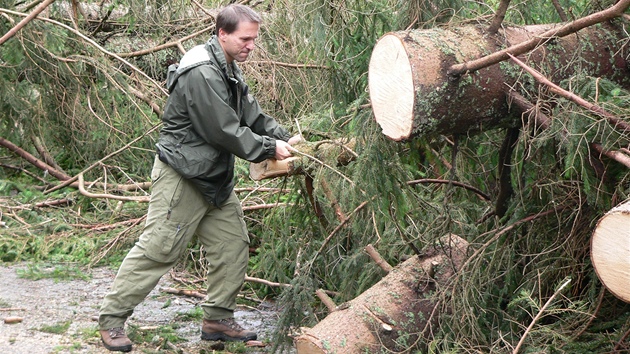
(610, 252)
(391, 87)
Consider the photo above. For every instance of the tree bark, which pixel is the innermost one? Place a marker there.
(400, 304)
(610, 253)
(337, 153)
(413, 94)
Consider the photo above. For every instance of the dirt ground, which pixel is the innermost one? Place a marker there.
(47, 302)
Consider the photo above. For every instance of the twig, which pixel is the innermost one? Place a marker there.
(286, 65)
(323, 164)
(560, 10)
(266, 282)
(97, 163)
(506, 229)
(339, 227)
(376, 257)
(455, 183)
(176, 43)
(84, 192)
(326, 300)
(523, 47)
(264, 206)
(33, 160)
(618, 156)
(101, 227)
(113, 241)
(615, 121)
(26, 20)
(499, 16)
(96, 45)
(531, 325)
(621, 340)
(600, 300)
(185, 292)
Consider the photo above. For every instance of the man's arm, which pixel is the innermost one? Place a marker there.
(216, 121)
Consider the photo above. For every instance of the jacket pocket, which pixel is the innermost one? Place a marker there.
(191, 160)
(166, 242)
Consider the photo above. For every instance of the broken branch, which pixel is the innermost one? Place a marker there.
(523, 47)
(615, 121)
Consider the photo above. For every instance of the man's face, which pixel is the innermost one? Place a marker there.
(238, 44)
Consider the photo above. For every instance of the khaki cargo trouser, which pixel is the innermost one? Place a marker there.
(176, 212)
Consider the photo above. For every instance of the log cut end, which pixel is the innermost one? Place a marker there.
(610, 251)
(391, 88)
(271, 168)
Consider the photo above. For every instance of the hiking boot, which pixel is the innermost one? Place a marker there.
(115, 339)
(226, 329)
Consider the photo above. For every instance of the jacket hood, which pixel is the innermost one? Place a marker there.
(200, 55)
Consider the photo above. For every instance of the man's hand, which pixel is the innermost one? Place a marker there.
(295, 139)
(283, 149)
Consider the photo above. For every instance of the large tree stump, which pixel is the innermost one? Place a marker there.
(402, 303)
(610, 250)
(412, 94)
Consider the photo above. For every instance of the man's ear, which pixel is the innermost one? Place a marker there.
(221, 33)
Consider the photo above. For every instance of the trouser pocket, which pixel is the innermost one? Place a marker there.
(166, 241)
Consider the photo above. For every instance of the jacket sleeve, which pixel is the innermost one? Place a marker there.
(261, 123)
(217, 122)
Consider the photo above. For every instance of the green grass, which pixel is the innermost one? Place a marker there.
(58, 272)
(154, 335)
(194, 314)
(57, 328)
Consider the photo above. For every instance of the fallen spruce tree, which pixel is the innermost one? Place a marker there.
(458, 81)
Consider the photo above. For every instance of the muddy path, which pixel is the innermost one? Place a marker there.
(73, 305)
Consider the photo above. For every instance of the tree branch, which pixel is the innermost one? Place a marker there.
(176, 43)
(523, 47)
(499, 16)
(26, 20)
(560, 10)
(455, 183)
(84, 192)
(33, 160)
(615, 121)
(96, 45)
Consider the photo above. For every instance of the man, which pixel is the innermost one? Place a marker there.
(209, 118)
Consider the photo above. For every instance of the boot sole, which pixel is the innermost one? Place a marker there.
(123, 348)
(226, 338)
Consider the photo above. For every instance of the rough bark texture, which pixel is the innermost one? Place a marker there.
(400, 304)
(412, 93)
(306, 158)
(610, 250)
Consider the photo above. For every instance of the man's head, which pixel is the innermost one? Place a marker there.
(237, 28)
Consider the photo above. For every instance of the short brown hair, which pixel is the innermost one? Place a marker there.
(229, 18)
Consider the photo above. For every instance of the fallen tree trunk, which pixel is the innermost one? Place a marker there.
(413, 94)
(610, 253)
(401, 304)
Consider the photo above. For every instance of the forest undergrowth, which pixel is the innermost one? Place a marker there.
(85, 97)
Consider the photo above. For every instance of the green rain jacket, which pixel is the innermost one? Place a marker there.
(209, 118)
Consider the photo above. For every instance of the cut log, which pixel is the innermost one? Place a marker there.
(610, 250)
(272, 168)
(400, 304)
(412, 94)
(339, 151)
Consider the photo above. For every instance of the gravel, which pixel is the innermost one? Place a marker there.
(47, 302)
